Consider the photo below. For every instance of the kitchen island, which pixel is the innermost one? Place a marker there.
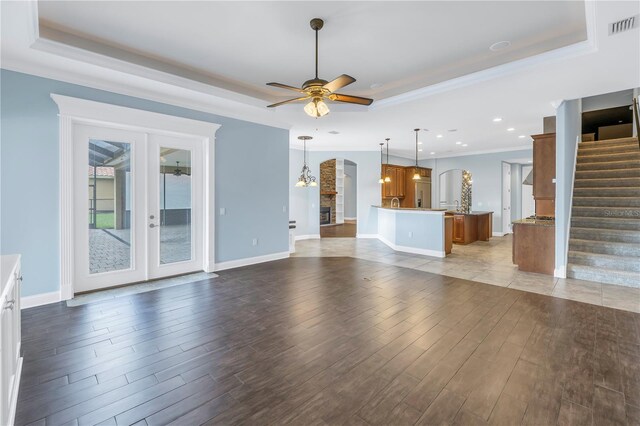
(415, 230)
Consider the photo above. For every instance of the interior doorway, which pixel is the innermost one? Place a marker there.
(338, 198)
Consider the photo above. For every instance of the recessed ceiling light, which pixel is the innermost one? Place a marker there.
(420, 150)
(375, 85)
(501, 45)
(334, 132)
(432, 153)
(497, 119)
(439, 136)
(522, 136)
(530, 161)
(419, 143)
(458, 143)
(510, 129)
(464, 144)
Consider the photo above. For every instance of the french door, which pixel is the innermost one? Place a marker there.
(138, 211)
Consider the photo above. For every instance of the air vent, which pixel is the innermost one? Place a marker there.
(624, 25)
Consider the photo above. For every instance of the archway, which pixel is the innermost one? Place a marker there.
(338, 198)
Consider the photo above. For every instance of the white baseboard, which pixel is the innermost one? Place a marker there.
(251, 261)
(308, 237)
(367, 236)
(498, 234)
(39, 299)
(350, 218)
(560, 272)
(413, 250)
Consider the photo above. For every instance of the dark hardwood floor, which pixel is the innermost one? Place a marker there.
(330, 341)
(348, 229)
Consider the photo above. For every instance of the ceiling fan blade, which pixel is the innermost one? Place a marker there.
(284, 86)
(339, 82)
(350, 99)
(287, 101)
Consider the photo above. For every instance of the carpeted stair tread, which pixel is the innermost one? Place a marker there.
(606, 223)
(606, 201)
(608, 174)
(603, 275)
(608, 212)
(609, 149)
(607, 182)
(608, 165)
(605, 247)
(612, 235)
(596, 191)
(608, 142)
(617, 262)
(620, 156)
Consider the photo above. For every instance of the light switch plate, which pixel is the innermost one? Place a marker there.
(223, 211)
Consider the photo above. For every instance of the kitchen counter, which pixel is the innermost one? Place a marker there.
(414, 209)
(413, 230)
(536, 222)
(474, 213)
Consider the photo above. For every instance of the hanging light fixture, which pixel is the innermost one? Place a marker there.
(305, 178)
(387, 178)
(381, 180)
(416, 175)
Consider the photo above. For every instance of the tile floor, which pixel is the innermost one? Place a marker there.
(485, 262)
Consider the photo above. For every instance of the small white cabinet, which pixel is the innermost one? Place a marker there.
(10, 359)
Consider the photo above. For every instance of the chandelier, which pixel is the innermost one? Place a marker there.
(305, 178)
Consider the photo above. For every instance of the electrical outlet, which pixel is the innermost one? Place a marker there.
(410, 234)
(223, 211)
(284, 209)
(255, 242)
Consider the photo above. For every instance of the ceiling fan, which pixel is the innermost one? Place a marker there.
(318, 89)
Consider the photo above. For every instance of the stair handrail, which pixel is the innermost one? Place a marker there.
(636, 116)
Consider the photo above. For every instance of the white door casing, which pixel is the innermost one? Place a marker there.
(75, 112)
(506, 198)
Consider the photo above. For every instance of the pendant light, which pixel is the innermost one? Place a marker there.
(387, 178)
(381, 180)
(416, 175)
(305, 178)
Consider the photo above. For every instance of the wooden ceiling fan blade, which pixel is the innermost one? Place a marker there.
(339, 82)
(288, 101)
(285, 86)
(350, 99)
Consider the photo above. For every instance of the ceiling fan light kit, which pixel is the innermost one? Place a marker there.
(317, 90)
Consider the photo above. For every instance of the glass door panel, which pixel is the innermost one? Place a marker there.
(109, 179)
(175, 205)
(109, 207)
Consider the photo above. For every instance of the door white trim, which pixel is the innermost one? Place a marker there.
(75, 111)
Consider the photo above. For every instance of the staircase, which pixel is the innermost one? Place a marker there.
(604, 242)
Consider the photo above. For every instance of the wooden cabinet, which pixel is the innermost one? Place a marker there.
(395, 188)
(544, 173)
(534, 247)
(471, 227)
(10, 360)
(448, 234)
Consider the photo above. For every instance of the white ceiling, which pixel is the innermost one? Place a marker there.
(431, 59)
(400, 46)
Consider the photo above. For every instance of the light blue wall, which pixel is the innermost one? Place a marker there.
(246, 153)
(516, 191)
(486, 170)
(568, 133)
